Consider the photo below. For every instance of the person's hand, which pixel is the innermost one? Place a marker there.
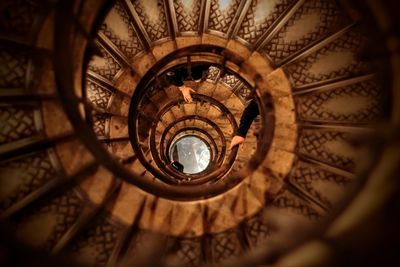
(186, 92)
(236, 140)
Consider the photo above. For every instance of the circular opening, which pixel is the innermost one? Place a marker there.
(192, 153)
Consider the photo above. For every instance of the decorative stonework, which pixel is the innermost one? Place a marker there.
(119, 30)
(24, 176)
(16, 123)
(98, 95)
(244, 92)
(331, 147)
(187, 252)
(355, 103)
(222, 14)
(14, 69)
(286, 200)
(213, 73)
(230, 80)
(105, 65)
(55, 217)
(99, 125)
(257, 230)
(225, 246)
(152, 15)
(187, 15)
(336, 60)
(311, 22)
(307, 177)
(260, 16)
(96, 245)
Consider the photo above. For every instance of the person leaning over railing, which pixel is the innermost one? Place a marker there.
(177, 77)
(198, 73)
(249, 114)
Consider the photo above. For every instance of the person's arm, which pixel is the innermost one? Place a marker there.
(176, 78)
(249, 114)
(198, 73)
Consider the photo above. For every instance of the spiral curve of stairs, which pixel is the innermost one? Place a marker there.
(88, 120)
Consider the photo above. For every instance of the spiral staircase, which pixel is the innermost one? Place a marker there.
(88, 123)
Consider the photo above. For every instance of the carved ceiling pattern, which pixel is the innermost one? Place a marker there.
(188, 251)
(187, 16)
(313, 143)
(257, 230)
(220, 18)
(244, 92)
(156, 24)
(329, 17)
(98, 95)
(306, 176)
(108, 69)
(16, 123)
(252, 28)
(99, 125)
(225, 246)
(14, 69)
(288, 201)
(230, 80)
(302, 73)
(100, 239)
(33, 172)
(129, 46)
(313, 106)
(213, 73)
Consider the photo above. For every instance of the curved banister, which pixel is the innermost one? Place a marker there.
(65, 74)
(194, 130)
(205, 120)
(69, 44)
(196, 97)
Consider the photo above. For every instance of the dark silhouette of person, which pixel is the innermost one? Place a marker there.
(177, 166)
(197, 72)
